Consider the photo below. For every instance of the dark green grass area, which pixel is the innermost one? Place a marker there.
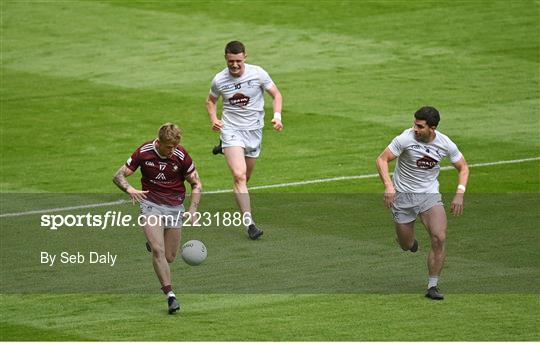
(347, 317)
(83, 83)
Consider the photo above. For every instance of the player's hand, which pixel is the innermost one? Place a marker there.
(389, 197)
(278, 125)
(217, 125)
(457, 204)
(136, 195)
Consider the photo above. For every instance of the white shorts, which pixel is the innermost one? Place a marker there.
(407, 206)
(250, 140)
(169, 217)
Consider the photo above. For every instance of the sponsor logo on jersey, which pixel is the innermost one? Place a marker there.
(161, 176)
(426, 162)
(239, 99)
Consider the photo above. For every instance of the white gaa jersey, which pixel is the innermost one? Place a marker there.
(418, 163)
(243, 97)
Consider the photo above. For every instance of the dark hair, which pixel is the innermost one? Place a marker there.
(429, 114)
(235, 47)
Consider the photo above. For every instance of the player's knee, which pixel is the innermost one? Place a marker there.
(158, 252)
(239, 178)
(170, 257)
(438, 239)
(405, 244)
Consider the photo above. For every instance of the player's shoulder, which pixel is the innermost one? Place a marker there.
(222, 75)
(407, 134)
(442, 138)
(146, 146)
(182, 149)
(252, 68)
(180, 152)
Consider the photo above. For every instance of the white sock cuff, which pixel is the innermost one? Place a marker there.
(248, 219)
(432, 281)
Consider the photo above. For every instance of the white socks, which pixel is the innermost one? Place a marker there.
(432, 281)
(171, 294)
(248, 220)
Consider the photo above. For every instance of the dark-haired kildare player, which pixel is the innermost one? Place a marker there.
(242, 88)
(415, 188)
(165, 165)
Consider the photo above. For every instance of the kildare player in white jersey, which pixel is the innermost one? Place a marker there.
(415, 188)
(242, 87)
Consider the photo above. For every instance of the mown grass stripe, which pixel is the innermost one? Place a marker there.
(278, 185)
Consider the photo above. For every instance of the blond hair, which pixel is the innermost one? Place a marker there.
(169, 133)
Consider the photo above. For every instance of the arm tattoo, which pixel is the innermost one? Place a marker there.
(194, 181)
(120, 180)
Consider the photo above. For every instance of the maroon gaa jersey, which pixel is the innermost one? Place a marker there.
(162, 177)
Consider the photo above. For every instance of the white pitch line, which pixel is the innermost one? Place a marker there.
(277, 185)
(367, 176)
(63, 209)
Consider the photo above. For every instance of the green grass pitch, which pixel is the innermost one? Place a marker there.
(83, 83)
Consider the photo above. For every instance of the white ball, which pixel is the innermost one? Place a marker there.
(194, 252)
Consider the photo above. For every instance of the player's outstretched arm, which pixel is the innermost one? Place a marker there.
(119, 179)
(211, 108)
(382, 166)
(196, 189)
(277, 105)
(463, 177)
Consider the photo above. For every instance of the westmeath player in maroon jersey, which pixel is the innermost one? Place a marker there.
(165, 165)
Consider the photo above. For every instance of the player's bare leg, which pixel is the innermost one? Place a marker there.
(435, 222)
(405, 236)
(241, 168)
(250, 165)
(237, 164)
(172, 242)
(253, 231)
(155, 237)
